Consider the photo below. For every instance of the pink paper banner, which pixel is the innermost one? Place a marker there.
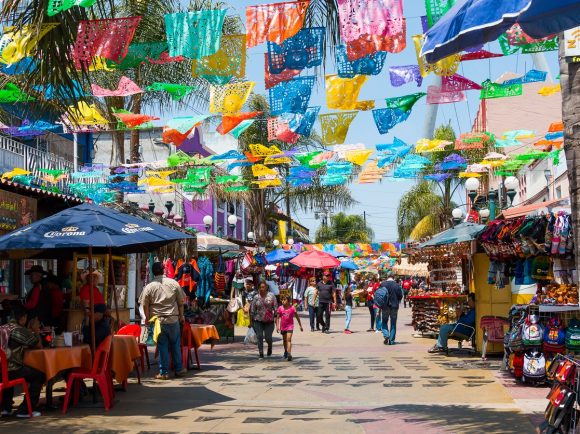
(436, 96)
(126, 87)
(457, 83)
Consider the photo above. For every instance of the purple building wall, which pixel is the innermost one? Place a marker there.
(195, 212)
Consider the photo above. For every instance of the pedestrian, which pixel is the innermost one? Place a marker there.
(406, 288)
(464, 326)
(347, 309)
(163, 298)
(20, 338)
(390, 310)
(312, 303)
(371, 305)
(285, 324)
(262, 311)
(326, 294)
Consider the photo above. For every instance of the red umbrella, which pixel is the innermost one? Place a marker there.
(315, 259)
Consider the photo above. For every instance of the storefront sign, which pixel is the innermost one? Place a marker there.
(15, 211)
(572, 45)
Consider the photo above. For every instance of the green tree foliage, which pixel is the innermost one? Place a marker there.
(345, 228)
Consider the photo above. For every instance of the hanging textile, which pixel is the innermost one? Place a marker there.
(241, 127)
(303, 50)
(137, 53)
(334, 126)
(229, 99)
(278, 129)
(550, 90)
(496, 90)
(479, 55)
(519, 134)
(507, 49)
(261, 170)
(532, 76)
(331, 180)
(457, 83)
(228, 62)
(371, 173)
(436, 96)
(229, 155)
(56, 6)
(175, 91)
(358, 157)
(271, 80)
(277, 160)
(274, 22)
(473, 141)
(342, 93)
(291, 96)
(436, 9)
(306, 158)
(404, 103)
(401, 75)
(265, 183)
(29, 129)
(11, 93)
(126, 87)
(339, 168)
(133, 120)
(387, 118)
(444, 67)
(109, 38)
(367, 27)
(556, 126)
(184, 124)
(194, 34)
(259, 150)
(301, 172)
(85, 114)
(230, 122)
(371, 64)
(516, 36)
(435, 145)
(302, 123)
(18, 43)
(452, 162)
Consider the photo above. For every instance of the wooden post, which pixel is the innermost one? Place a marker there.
(112, 275)
(91, 301)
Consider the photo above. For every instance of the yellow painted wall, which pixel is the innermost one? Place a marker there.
(488, 299)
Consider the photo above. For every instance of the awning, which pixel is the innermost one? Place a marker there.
(406, 269)
(524, 210)
(463, 232)
(211, 243)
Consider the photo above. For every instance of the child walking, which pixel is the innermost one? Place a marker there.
(347, 309)
(285, 324)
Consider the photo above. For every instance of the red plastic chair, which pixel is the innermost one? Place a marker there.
(494, 329)
(100, 372)
(135, 331)
(5, 383)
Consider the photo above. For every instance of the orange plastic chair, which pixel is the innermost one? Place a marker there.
(5, 383)
(135, 330)
(100, 372)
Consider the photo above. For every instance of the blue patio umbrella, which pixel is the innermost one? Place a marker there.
(89, 225)
(280, 255)
(474, 22)
(348, 265)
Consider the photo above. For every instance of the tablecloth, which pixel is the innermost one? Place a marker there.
(124, 352)
(51, 361)
(203, 332)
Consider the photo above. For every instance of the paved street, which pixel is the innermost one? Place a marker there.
(336, 383)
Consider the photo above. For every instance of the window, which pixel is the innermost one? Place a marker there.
(558, 192)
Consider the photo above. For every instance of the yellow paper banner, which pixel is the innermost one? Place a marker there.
(446, 67)
(259, 150)
(229, 99)
(359, 157)
(342, 93)
(17, 171)
(85, 114)
(261, 170)
(16, 44)
(264, 183)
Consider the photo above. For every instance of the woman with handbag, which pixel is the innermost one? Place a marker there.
(262, 314)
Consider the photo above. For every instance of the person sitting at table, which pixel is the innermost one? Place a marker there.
(85, 294)
(102, 326)
(22, 338)
(463, 326)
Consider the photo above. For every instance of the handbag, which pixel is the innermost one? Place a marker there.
(234, 304)
(220, 276)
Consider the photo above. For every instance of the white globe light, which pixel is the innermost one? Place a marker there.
(290, 241)
(250, 235)
(457, 213)
(276, 243)
(511, 183)
(472, 184)
(484, 213)
(208, 220)
(232, 219)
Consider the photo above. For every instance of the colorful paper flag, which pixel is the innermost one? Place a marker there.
(194, 34)
(274, 22)
(335, 126)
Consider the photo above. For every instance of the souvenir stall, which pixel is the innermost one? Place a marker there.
(448, 257)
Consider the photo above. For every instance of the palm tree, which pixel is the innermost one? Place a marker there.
(345, 229)
(419, 212)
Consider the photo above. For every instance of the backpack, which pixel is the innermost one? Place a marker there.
(573, 335)
(381, 297)
(515, 342)
(534, 369)
(554, 336)
(532, 332)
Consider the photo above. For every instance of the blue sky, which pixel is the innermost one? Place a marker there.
(380, 200)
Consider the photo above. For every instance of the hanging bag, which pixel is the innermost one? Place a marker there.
(220, 276)
(235, 303)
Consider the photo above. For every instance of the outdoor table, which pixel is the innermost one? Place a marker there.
(201, 333)
(124, 352)
(52, 361)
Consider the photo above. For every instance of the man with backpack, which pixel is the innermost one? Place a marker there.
(387, 298)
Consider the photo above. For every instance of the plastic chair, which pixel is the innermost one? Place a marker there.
(135, 331)
(187, 345)
(460, 337)
(5, 383)
(100, 372)
(494, 330)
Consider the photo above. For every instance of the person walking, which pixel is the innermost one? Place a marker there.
(262, 310)
(347, 309)
(390, 310)
(371, 305)
(326, 294)
(163, 298)
(312, 303)
(285, 324)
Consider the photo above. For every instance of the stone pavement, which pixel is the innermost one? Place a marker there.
(336, 383)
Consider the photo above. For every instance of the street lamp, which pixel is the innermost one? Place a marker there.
(511, 183)
(250, 236)
(457, 214)
(151, 206)
(207, 221)
(169, 206)
(276, 243)
(290, 241)
(472, 185)
(484, 214)
(232, 220)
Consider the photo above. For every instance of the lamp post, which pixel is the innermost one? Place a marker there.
(491, 196)
(484, 214)
(207, 221)
(472, 185)
(548, 175)
(232, 220)
(457, 214)
(151, 206)
(290, 241)
(169, 206)
(250, 236)
(276, 243)
(511, 183)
